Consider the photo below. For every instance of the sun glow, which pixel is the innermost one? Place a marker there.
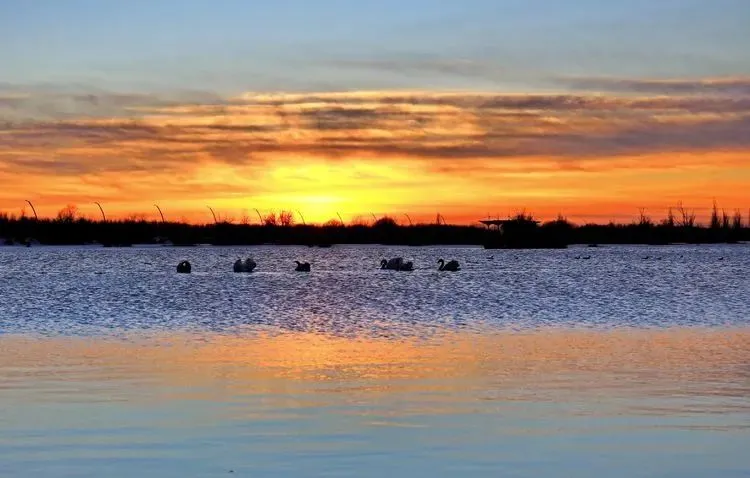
(358, 154)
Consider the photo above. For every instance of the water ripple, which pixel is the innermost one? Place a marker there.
(96, 291)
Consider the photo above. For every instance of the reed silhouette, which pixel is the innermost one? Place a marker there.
(520, 231)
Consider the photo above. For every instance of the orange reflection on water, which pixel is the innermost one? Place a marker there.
(286, 376)
(289, 356)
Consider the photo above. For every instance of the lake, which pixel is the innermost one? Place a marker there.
(609, 361)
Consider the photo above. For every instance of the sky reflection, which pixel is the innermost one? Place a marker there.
(267, 403)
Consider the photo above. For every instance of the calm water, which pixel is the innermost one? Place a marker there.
(525, 363)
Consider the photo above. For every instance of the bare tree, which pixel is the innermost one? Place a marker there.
(270, 219)
(359, 221)
(68, 213)
(286, 218)
(687, 217)
(333, 223)
(737, 220)
(715, 221)
(245, 219)
(670, 220)
(643, 219)
(385, 221)
(136, 217)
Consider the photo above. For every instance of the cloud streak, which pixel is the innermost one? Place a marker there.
(126, 145)
(421, 125)
(710, 86)
(60, 102)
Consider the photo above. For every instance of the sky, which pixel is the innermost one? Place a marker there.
(585, 108)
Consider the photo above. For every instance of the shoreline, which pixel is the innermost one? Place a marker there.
(519, 232)
(367, 244)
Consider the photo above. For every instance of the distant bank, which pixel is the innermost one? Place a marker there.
(520, 232)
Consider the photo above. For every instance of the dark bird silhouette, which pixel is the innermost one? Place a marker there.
(248, 265)
(302, 266)
(451, 266)
(391, 264)
(397, 264)
(184, 267)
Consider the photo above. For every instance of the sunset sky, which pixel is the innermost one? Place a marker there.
(588, 108)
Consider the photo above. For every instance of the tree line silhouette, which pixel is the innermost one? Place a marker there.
(519, 231)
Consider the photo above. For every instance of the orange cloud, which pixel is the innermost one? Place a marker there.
(465, 154)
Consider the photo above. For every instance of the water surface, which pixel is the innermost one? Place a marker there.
(525, 363)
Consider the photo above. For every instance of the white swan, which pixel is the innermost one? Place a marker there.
(451, 266)
(302, 266)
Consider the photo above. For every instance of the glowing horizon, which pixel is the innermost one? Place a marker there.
(465, 155)
(468, 110)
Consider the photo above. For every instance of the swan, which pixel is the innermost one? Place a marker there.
(244, 266)
(397, 264)
(451, 266)
(184, 267)
(302, 266)
(392, 264)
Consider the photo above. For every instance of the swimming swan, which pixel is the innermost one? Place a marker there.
(407, 266)
(392, 264)
(184, 267)
(451, 266)
(244, 266)
(302, 266)
(397, 264)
